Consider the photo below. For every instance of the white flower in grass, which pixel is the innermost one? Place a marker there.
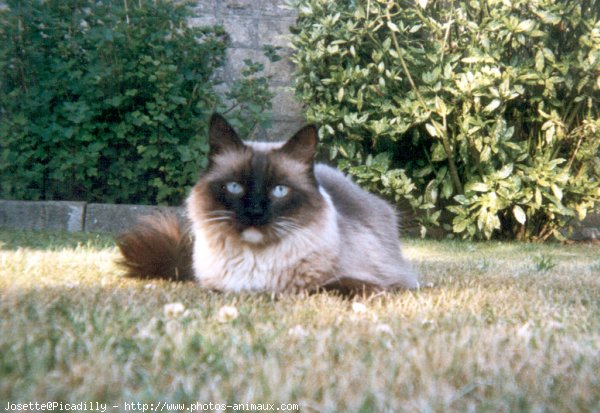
(227, 313)
(175, 330)
(149, 330)
(172, 328)
(524, 331)
(384, 329)
(555, 325)
(359, 308)
(173, 309)
(297, 331)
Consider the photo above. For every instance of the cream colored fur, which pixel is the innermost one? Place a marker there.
(304, 259)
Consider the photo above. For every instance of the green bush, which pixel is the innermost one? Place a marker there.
(108, 100)
(486, 112)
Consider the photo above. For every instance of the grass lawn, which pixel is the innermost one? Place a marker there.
(500, 327)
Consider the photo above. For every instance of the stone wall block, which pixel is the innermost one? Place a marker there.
(208, 20)
(275, 32)
(238, 7)
(118, 218)
(243, 31)
(277, 8)
(206, 7)
(285, 104)
(44, 215)
(235, 60)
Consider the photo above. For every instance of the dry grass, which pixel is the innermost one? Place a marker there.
(502, 328)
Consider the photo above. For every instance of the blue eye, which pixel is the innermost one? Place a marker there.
(280, 191)
(234, 188)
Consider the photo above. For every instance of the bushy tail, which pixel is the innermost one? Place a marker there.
(157, 247)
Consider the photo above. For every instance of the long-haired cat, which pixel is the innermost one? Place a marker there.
(265, 217)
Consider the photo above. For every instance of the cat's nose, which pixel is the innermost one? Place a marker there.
(257, 215)
(256, 212)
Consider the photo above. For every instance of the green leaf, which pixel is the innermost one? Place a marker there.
(438, 153)
(431, 192)
(477, 187)
(539, 61)
(548, 17)
(440, 107)
(581, 211)
(459, 224)
(392, 26)
(447, 188)
(505, 172)
(115, 101)
(519, 215)
(420, 173)
(493, 105)
(478, 59)
(538, 198)
(431, 129)
(558, 193)
(526, 26)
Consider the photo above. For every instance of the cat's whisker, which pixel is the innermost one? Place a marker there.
(219, 212)
(216, 219)
(289, 223)
(288, 219)
(274, 229)
(218, 215)
(280, 232)
(283, 228)
(288, 226)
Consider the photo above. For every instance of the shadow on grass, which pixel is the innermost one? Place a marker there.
(53, 240)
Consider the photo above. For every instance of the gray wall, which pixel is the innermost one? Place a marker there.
(251, 25)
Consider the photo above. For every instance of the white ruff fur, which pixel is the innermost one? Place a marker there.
(305, 257)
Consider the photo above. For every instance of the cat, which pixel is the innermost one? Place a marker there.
(266, 217)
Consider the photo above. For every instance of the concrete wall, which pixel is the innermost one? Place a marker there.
(252, 24)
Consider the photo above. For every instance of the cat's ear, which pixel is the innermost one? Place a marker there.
(221, 136)
(303, 145)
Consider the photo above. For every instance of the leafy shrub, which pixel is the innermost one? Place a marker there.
(107, 100)
(484, 111)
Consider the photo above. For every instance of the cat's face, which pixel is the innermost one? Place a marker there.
(257, 193)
